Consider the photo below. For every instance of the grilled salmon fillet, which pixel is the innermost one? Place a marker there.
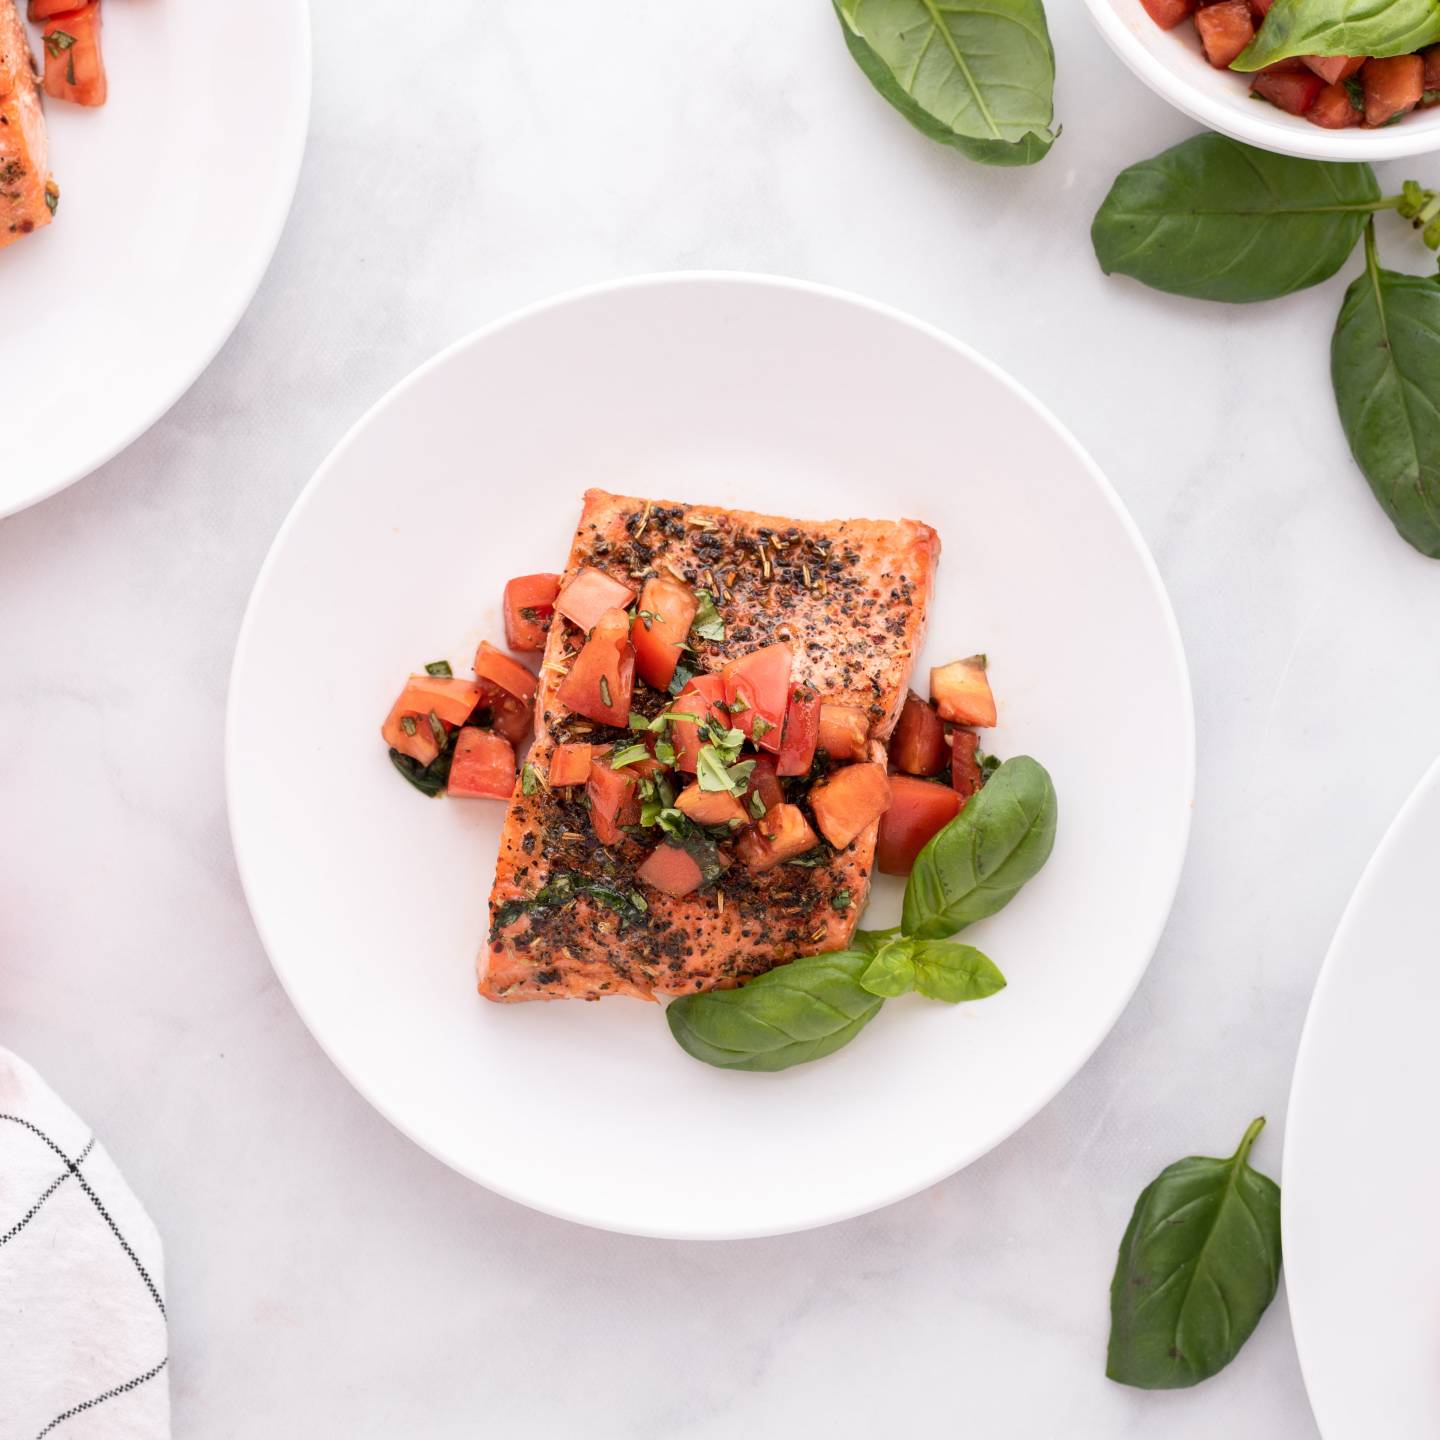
(27, 193)
(850, 598)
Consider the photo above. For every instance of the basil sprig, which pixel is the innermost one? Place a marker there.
(1385, 366)
(975, 74)
(1198, 1266)
(1217, 220)
(1341, 27)
(815, 1005)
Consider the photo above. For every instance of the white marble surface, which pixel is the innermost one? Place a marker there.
(327, 1278)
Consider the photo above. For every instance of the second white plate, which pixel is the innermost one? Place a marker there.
(736, 390)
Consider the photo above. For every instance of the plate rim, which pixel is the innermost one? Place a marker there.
(264, 254)
(762, 280)
(1420, 794)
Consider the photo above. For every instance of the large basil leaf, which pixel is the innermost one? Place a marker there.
(794, 1013)
(891, 970)
(1342, 27)
(978, 862)
(950, 972)
(1199, 1263)
(1385, 364)
(1218, 220)
(975, 74)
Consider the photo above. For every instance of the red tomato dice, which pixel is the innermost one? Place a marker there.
(918, 745)
(918, 808)
(801, 733)
(964, 766)
(764, 782)
(961, 692)
(500, 670)
(613, 801)
(483, 765)
(1333, 109)
(665, 614)
(1332, 69)
(782, 834)
(701, 697)
(1167, 14)
(1431, 80)
(1294, 91)
(757, 690)
(529, 608)
(844, 732)
(589, 595)
(848, 800)
(74, 69)
(710, 807)
(601, 679)
(1225, 30)
(670, 870)
(570, 765)
(1392, 87)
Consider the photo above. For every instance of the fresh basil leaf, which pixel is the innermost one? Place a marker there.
(628, 755)
(975, 74)
(707, 623)
(439, 667)
(1199, 1263)
(529, 780)
(1217, 220)
(788, 1016)
(1385, 365)
(891, 971)
(1341, 27)
(950, 972)
(683, 675)
(978, 862)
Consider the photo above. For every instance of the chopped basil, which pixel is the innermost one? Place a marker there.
(605, 691)
(649, 617)
(561, 890)
(439, 667)
(707, 623)
(529, 780)
(738, 706)
(57, 42)
(407, 724)
(712, 771)
(740, 775)
(639, 901)
(840, 900)
(628, 756)
(437, 729)
(70, 70)
(757, 806)
(52, 197)
(664, 752)
(812, 859)
(761, 727)
(638, 721)
(683, 675)
(989, 764)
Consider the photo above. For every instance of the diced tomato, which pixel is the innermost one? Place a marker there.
(781, 835)
(483, 765)
(570, 765)
(589, 595)
(602, 676)
(670, 870)
(965, 774)
(764, 782)
(1333, 109)
(499, 669)
(44, 9)
(710, 807)
(1392, 87)
(1225, 30)
(529, 608)
(701, 698)
(1294, 92)
(1167, 14)
(422, 746)
(759, 684)
(451, 698)
(844, 732)
(848, 800)
(665, 612)
(961, 692)
(918, 745)
(1431, 58)
(1332, 69)
(74, 69)
(918, 808)
(613, 801)
(509, 715)
(801, 733)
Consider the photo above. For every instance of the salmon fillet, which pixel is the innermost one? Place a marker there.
(850, 598)
(27, 193)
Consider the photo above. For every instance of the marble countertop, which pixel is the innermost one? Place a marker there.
(328, 1278)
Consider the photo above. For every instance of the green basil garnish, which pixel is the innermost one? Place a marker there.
(408, 725)
(529, 779)
(978, 862)
(1341, 27)
(439, 667)
(1385, 366)
(1217, 220)
(707, 623)
(975, 74)
(628, 756)
(1198, 1266)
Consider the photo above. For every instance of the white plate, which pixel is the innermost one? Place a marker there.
(1362, 1166)
(173, 195)
(744, 391)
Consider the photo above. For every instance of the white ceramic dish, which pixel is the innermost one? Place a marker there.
(1171, 63)
(747, 391)
(1362, 1169)
(173, 196)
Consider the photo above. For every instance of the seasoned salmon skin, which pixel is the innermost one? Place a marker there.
(27, 193)
(850, 598)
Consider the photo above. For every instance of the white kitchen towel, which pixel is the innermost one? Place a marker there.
(83, 1343)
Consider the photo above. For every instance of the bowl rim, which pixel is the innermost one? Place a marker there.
(1269, 129)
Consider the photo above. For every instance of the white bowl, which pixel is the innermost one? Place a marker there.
(1172, 64)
